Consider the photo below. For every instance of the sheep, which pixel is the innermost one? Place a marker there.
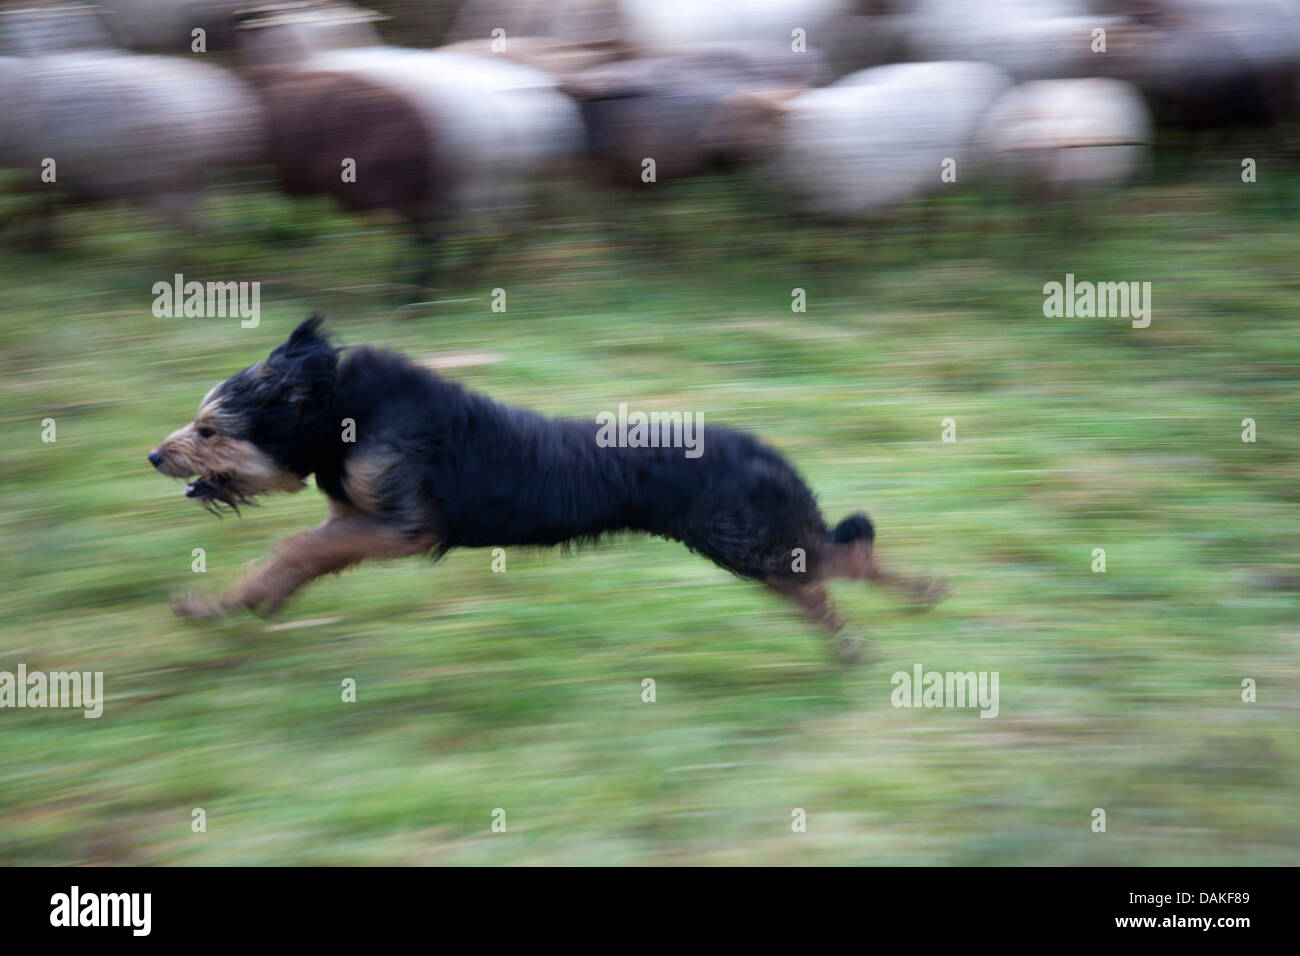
(167, 26)
(1058, 136)
(666, 25)
(558, 58)
(286, 38)
(840, 30)
(1030, 39)
(494, 126)
(54, 29)
(870, 141)
(846, 36)
(1216, 63)
(318, 121)
(586, 22)
(662, 108)
(433, 136)
(107, 125)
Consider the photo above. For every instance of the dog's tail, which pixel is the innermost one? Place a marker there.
(856, 527)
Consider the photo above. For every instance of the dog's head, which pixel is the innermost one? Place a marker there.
(256, 432)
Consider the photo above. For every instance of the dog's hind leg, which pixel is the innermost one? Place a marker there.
(811, 598)
(342, 541)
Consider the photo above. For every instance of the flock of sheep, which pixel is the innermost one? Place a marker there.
(846, 107)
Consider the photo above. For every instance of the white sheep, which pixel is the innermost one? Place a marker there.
(124, 126)
(586, 22)
(1057, 136)
(1030, 39)
(54, 29)
(288, 37)
(877, 137)
(848, 38)
(494, 125)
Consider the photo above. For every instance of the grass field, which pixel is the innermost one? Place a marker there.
(523, 690)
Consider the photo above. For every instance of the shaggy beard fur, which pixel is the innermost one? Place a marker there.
(435, 467)
(217, 494)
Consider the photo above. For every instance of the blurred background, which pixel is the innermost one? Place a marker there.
(828, 221)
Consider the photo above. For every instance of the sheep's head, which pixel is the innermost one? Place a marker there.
(746, 125)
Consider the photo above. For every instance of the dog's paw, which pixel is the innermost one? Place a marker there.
(202, 607)
(850, 650)
(926, 594)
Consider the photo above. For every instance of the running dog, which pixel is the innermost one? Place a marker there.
(415, 464)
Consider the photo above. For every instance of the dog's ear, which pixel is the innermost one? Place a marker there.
(304, 340)
(303, 368)
(307, 330)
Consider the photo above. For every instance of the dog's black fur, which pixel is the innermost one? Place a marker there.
(441, 468)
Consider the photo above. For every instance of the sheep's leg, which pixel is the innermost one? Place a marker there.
(426, 245)
(928, 222)
(45, 235)
(176, 210)
(33, 223)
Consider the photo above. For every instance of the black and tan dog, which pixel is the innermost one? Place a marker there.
(432, 467)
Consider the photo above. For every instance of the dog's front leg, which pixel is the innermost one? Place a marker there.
(337, 544)
(812, 599)
(923, 591)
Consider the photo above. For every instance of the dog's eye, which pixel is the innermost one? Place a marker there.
(207, 431)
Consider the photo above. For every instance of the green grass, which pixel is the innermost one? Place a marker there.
(522, 690)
